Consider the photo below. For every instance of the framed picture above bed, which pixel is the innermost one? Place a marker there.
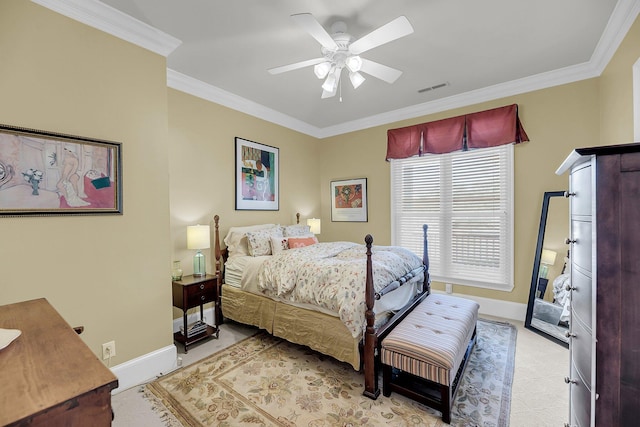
(349, 200)
(44, 173)
(257, 176)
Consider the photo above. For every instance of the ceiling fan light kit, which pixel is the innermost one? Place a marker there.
(339, 51)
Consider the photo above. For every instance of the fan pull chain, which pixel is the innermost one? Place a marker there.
(340, 82)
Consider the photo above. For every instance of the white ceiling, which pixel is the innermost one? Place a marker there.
(481, 49)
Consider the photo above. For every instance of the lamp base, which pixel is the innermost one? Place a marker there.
(199, 269)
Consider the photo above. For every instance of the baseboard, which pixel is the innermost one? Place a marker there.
(149, 366)
(145, 368)
(162, 361)
(493, 307)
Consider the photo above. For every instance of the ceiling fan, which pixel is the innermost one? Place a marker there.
(340, 50)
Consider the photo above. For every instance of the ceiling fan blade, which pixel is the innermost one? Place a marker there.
(393, 30)
(327, 94)
(290, 67)
(380, 71)
(317, 31)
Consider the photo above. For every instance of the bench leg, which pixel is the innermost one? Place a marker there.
(445, 398)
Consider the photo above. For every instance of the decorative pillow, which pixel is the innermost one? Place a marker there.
(279, 244)
(300, 242)
(236, 239)
(296, 230)
(260, 241)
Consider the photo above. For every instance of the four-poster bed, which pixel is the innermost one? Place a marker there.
(328, 327)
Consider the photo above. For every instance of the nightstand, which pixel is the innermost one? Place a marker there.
(194, 291)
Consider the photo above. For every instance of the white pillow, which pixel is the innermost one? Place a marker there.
(279, 244)
(296, 230)
(236, 239)
(260, 241)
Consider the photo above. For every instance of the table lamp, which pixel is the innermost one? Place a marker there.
(198, 238)
(314, 225)
(547, 258)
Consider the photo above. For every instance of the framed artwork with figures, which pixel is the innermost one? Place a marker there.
(349, 200)
(256, 176)
(45, 173)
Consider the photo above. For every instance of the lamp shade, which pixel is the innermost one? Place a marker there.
(198, 237)
(548, 257)
(314, 225)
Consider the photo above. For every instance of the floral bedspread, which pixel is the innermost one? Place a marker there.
(332, 275)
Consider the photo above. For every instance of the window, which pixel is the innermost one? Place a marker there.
(466, 199)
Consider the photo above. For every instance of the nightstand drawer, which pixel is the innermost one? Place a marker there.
(201, 293)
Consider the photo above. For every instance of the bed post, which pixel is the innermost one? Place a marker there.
(218, 255)
(371, 389)
(298, 218)
(425, 260)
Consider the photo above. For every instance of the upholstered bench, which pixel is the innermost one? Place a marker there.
(429, 349)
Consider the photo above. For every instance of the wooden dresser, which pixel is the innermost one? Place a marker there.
(48, 375)
(604, 345)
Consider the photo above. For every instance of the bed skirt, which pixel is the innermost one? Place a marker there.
(319, 331)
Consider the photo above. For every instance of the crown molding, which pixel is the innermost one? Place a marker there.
(621, 20)
(502, 90)
(105, 18)
(200, 89)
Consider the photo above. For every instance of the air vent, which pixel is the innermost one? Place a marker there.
(434, 87)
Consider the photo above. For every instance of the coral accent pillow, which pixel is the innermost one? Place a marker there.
(300, 242)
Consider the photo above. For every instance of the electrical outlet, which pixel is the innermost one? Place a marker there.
(449, 288)
(108, 350)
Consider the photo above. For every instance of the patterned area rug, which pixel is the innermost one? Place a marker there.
(266, 381)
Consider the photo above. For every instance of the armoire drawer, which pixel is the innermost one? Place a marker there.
(582, 248)
(580, 186)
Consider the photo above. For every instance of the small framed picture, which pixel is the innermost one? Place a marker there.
(45, 173)
(349, 200)
(256, 176)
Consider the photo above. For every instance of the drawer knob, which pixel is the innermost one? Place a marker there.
(568, 194)
(202, 297)
(202, 286)
(568, 241)
(570, 288)
(570, 381)
(570, 335)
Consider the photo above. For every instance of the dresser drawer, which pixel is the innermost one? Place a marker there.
(580, 401)
(581, 249)
(200, 293)
(581, 356)
(581, 297)
(580, 186)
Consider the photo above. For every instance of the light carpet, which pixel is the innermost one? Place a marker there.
(266, 381)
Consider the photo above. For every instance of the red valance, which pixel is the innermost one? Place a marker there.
(488, 128)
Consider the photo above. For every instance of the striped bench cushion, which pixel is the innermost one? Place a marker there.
(432, 340)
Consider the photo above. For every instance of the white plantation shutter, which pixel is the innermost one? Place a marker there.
(466, 199)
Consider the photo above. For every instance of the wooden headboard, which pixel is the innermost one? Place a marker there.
(221, 255)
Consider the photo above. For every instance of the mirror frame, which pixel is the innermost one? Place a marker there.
(536, 267)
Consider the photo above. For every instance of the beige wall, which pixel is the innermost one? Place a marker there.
(556, 120)
(201, 170)
(110, 273)
(616, 91)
